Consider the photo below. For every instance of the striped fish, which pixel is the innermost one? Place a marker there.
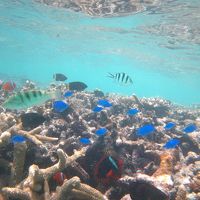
(23, 100)
(121, 78)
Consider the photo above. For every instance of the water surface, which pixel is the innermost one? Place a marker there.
(159, 48)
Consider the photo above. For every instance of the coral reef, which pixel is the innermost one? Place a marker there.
(148, 171)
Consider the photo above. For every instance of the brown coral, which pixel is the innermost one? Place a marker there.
(163, 174)
(195, 184)
(74, 189)
(181, 193)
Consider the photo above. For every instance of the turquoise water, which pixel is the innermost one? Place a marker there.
(158, 48)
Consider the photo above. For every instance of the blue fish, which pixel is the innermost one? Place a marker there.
(132, 111)
(97, 109)
(60, 106)
(171, 144)
(104, 103)
(85, 140)
(101, 131)
(68, 94)
(18, 139)
(169, 125)
(145, 130)
(190, 128)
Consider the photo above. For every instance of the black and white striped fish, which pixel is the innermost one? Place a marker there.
(121, 78)
(23, 100)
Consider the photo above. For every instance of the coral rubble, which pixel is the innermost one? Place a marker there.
(149, 171)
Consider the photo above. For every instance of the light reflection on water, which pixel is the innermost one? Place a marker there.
(158, 47)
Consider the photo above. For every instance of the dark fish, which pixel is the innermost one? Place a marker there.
(171, 144)
(78, 86)
(121, 78)
(59, 77)
(32, 120)
(108, 169)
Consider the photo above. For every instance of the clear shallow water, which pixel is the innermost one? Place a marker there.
(159, 48)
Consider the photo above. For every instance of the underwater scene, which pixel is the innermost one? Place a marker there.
(99, 100)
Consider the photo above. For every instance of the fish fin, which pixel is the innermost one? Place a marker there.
(109, 174)
(1, 106)
(110, 75)
(56, 94)
(67, 86)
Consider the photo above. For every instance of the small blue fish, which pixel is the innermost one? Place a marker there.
(101, 131)
(97, 109)
(85, 140)
(145, 130)
(18, 139)
(68, 94)
(169, 125)
(132, 111)
(190, 128)
(171, 144)
(60, 106)
(104, 103)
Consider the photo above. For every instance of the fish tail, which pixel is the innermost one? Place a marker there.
(1, 107)
(68, 86)
(110, 75)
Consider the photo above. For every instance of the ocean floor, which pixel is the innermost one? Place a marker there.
(121, 163)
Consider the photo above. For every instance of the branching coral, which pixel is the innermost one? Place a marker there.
(15, 193)
(153, 171)
(36, 177)
(32, 135)
(73, 188)
(6, 120)
(18, 162)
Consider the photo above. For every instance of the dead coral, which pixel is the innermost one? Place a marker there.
(139, 187)
(195, 184)
(33, 135)
(36, 177)
(18, 162)
(142, 186)
(6, 121)
(181, 193)
(74, 189)
(15, 193)
(163, 174)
